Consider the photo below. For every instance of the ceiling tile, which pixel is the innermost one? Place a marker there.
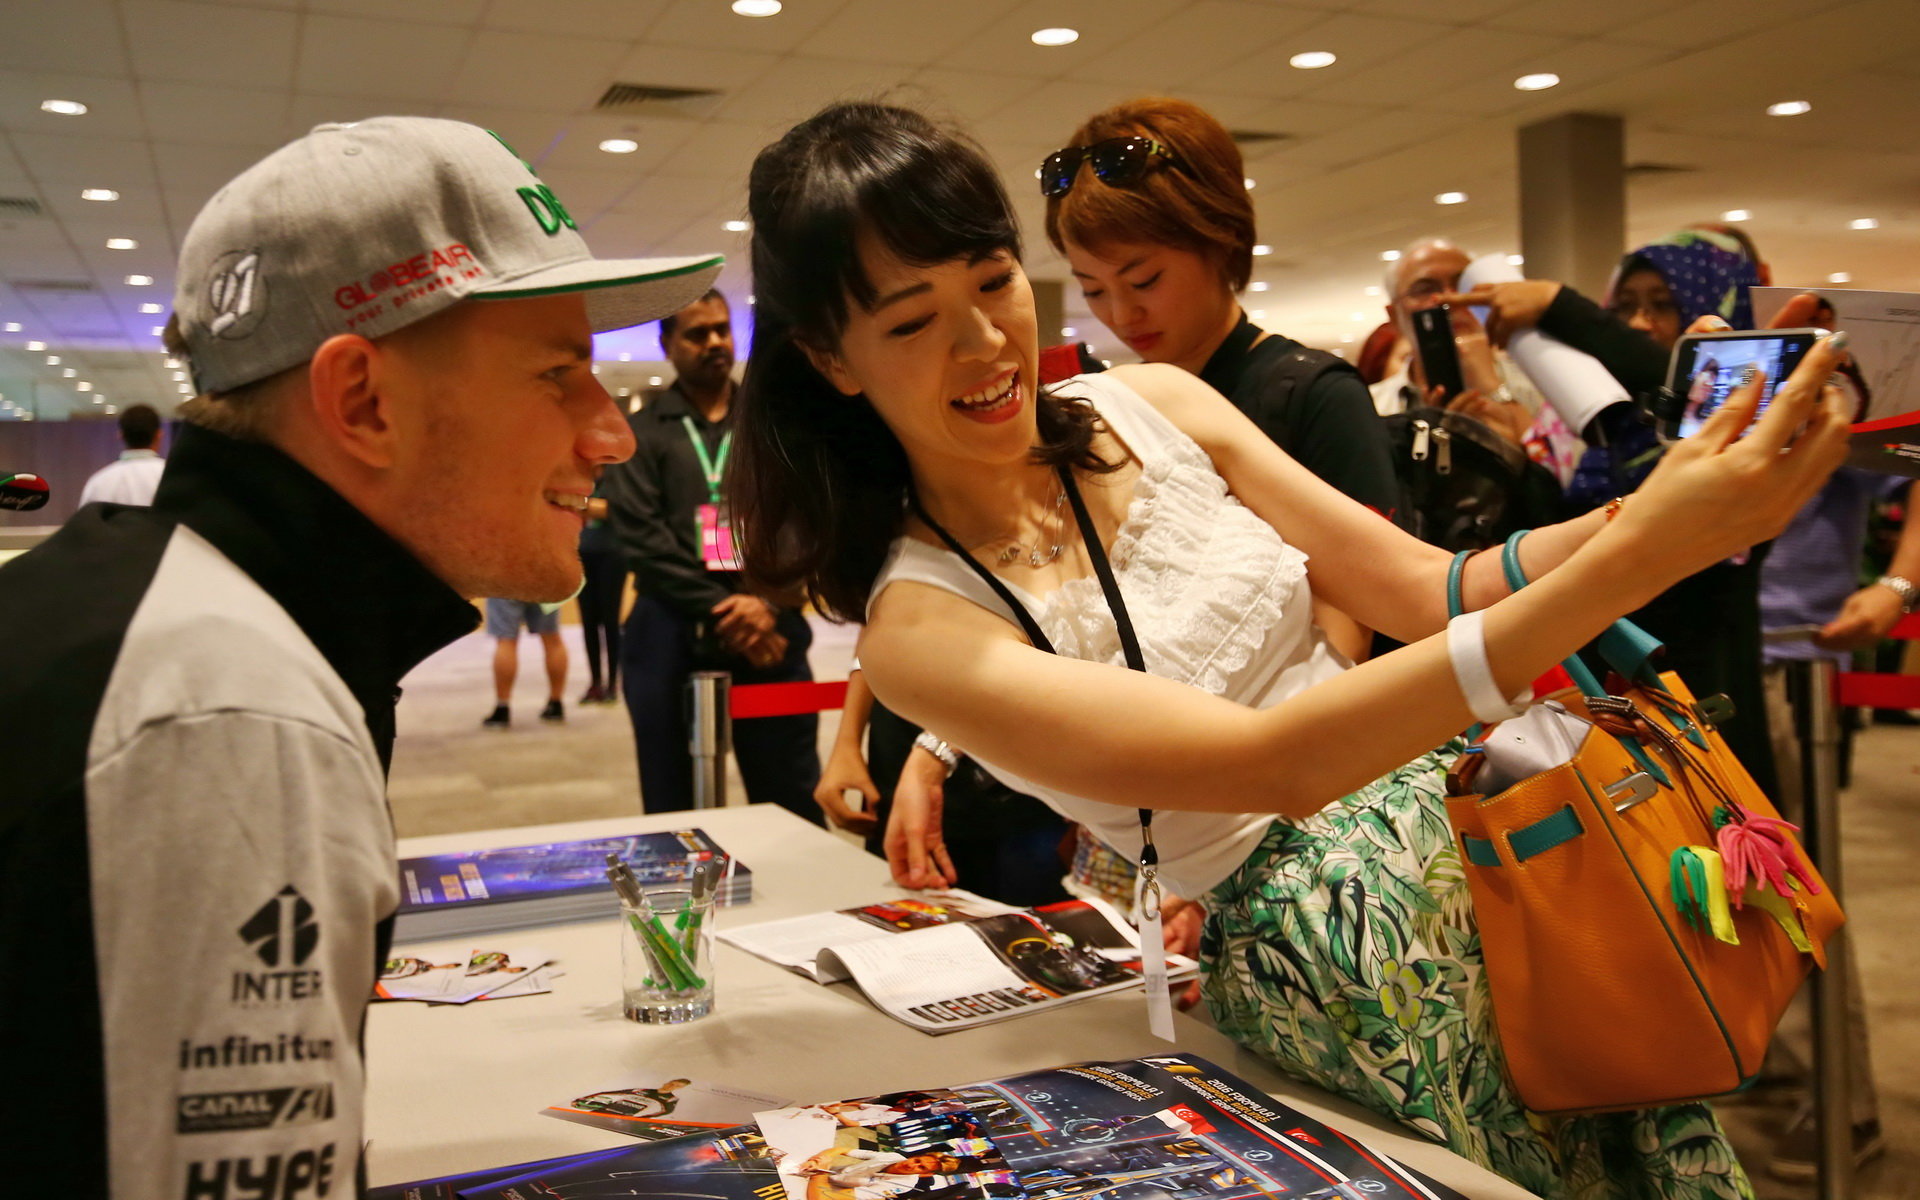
(966, 95)
(796, 88)
(1575, 18)
(217, 44)
(1189, 44)
(718, 68)
(444, 12)
(529, 70)
(367, 58)
(613, 20)
(1357, 39)
(1412, 82)
(910, 34)
(192, 113)
(80, 36)
(710, 23)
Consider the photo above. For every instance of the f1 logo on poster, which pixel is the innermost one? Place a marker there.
(295, 1176)
(261, 1108)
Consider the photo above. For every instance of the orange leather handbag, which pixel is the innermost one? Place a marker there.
(1644, 914)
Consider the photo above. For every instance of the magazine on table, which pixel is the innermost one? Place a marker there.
(486, 891)
(1883, 338)
(489, 974)
(669, 1108)
(951, 960)
(1146, 1129)
(727, 1164)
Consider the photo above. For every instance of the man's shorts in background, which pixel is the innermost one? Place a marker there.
(504, 618)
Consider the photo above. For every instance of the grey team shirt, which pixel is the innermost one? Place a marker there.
(241, 856)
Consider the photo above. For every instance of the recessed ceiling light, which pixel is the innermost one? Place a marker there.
(654, 381)
(736, 227)
(170, 363)
(1357, 316)
(66, 108)
(1313, 60)
(1516, 260)
(1735, 214)
(53, 360)
(1258, 285)
(139, 281)
(101, 194)
(1450, 198)
(36, 347)
(1863, 223)
(179, 376)
(68, 372)
(1789, 108)
(1262, 250)
(1839, 277)
(1372, 290)
(1389, 256)
(99, 399)
(111, 410)
(757, 8)
(1258, 314)
(1249, 182)
(122, 244)
(626, 358)
(619, 145)
(13, 327)
(1068, 331)
(152, 308)
(1539, 82)
(83, 386)
(1347, 340)
(1056, 36)
(158, 330)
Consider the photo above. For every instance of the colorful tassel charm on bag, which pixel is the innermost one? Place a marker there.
(1760, 851)
(1700, 893)
(1787, 911)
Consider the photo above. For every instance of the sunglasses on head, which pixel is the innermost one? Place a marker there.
(1117, 162)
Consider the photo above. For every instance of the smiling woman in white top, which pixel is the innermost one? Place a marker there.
(897, 462)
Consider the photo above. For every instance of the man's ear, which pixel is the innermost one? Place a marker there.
(828, 364)
(345, 380)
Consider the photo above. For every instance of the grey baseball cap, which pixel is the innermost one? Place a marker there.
(368, 227)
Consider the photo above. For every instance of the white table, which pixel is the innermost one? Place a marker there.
(457, 1088)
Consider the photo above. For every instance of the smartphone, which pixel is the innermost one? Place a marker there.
(1708, 366)
(1439, 357)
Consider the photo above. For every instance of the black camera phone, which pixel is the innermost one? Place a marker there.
(1439, 357)
(1708, 366)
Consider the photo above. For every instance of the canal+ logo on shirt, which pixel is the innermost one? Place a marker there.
(283, 935)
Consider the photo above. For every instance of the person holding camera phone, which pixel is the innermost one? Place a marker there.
(894, 445)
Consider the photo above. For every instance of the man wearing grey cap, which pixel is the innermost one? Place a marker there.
(390, 329)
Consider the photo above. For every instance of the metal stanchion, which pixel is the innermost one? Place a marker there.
(1818, 719)
(711, 727)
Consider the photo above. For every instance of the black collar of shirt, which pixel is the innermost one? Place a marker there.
(1227, 366)
(670, 404)
(370, 607)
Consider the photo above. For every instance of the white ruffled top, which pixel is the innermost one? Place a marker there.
(1218, 600)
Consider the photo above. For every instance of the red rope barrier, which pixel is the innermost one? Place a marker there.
(785, 699)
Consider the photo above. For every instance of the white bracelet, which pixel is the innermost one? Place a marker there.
(939, 749)
(1467, 647)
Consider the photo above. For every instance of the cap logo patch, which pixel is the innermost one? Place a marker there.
(406, 280)
(236, 295)
(546, 208)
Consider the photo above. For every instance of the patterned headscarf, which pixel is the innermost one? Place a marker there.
(1707, 272)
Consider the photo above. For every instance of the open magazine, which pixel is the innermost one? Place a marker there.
(1163, 1128)
(951, 960)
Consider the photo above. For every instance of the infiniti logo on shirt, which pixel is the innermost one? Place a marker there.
(284, 934)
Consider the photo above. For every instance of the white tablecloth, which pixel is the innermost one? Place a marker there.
(454, 1089)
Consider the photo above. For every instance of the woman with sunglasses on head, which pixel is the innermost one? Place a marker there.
(1149, 203)
(1101, 591)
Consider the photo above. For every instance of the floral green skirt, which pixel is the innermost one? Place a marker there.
(1345, 950)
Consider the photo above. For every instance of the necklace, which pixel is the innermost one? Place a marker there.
(1035, 555)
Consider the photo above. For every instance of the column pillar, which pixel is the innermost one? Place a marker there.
(1573, 198)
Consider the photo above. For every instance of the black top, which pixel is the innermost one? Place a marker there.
(1630, 356)
(1327, 423)
(653, 502)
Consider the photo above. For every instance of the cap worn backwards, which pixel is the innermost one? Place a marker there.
(368, 227)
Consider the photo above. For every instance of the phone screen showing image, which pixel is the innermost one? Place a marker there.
(1716, 366)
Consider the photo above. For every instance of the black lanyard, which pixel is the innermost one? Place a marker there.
(1122, 623)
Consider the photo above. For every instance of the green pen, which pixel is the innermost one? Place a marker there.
(661, 946)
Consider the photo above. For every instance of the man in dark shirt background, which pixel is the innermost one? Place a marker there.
(691, 610)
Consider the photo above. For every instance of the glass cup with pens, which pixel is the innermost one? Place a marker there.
(666, 945)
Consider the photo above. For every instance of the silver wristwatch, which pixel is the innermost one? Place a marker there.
(940, 750)
(1903, 588)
